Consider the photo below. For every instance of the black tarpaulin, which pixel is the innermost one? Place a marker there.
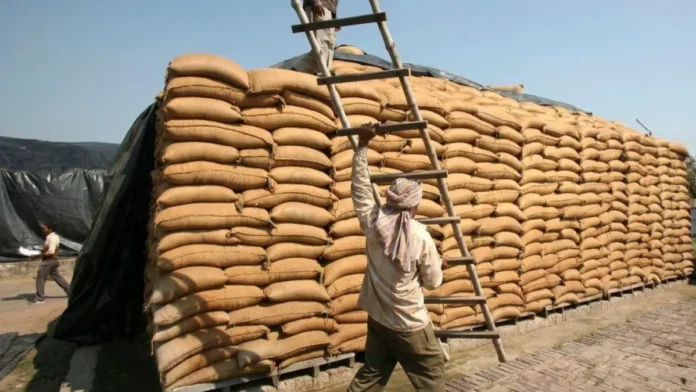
(108, 284)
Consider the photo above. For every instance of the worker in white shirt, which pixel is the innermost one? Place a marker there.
(49, 265)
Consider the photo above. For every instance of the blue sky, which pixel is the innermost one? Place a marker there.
(83, 70)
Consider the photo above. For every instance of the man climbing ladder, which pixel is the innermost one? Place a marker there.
(319, 11)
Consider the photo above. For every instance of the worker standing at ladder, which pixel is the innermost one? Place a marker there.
(318, 11)
(401, 256)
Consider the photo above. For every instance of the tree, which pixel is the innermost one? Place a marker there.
(691, 175)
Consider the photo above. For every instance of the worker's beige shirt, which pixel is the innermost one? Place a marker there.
(391, 296)
(52, 243)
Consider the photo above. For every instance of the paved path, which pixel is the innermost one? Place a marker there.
(653, 352)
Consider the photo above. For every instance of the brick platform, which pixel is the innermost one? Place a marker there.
(654, 352)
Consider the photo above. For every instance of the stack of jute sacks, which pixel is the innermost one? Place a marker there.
(257, 257)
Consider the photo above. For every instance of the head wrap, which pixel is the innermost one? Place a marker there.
(393, 222)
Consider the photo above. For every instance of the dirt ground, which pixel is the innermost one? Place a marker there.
(45, 365)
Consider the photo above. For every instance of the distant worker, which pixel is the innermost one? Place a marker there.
(49, 265)
(319, 11)
(402, 257)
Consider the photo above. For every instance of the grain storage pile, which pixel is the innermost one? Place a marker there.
(257, 257)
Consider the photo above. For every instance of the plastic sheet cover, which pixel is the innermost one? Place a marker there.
(106, 302)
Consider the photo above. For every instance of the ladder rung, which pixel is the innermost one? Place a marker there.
(382, 129)
(467, 334)
(454, 300)
(420, 175)
(350, 21)
(440, 221)
(358, 77)
(455, 261)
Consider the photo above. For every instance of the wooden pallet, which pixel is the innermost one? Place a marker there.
(274, 377)
(619, 292)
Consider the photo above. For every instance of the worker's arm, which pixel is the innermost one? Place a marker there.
(361, 187)
(430, 268)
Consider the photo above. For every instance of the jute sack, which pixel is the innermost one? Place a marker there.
(209, 173)
(285, 193)
(547, 282)
(356, 105)
(210, 255)
(567, 141)
(475, 212)
(345, 228)
(406, 162)
(570, 234)
(498, 116)
(499, 146)
(182, 152)
(174, 196)
(569, 187)
(289, 116)
(510, 134)
(272, 80)
(307, 214)
(562, 175)
(537, 306)
(463, 135)
(282, 232)
(197, 362)
(531, 199)
(492, 226)
(465, 150)
(558, 246)
(344, 247)
(509, 209)
(500, 265)
(240, 136)
(557, 153)
(348, 284)
(301, 156)
(496, 171)
(435, 133)
(505, 277)
(352, 317)
(276, 314)
(510, 161)
(260, 349)
(227, 298)
(194, 86)
(209, 66)
(431, 118)
(538, 295)
(293, 268)
(537, 262)
(198, 108)
(296, 290)
(531, 149)
(343, 304)
(344, 159)
(175, 240)
(532, 224)
(397, 99)
(285, 250)
(533, 135)
(179, 283)
(465, 181)
(347, 266)
(538, 162)
(562, 200)
(194, 323)
(209, 216)
(348, 332)
(450, 288)
(351, 346)
(463, 196)
(538, 212)
(310, 324)
(297, 99)
(496, 197)
(259, 158)
(540, 188)
(508, 239)
(300, 175)
(346, 174)
(459, 119)
(417, 146)
(460, 165)
(561, 128)
(176, 351)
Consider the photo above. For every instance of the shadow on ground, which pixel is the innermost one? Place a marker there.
(126, 365)
(28, 297)
(40, 368)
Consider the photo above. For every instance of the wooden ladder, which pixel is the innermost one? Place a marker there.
(379, 17)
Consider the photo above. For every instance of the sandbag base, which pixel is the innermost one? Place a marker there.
(274, 376)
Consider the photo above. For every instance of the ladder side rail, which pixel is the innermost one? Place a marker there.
(335, 97)
(396, 62)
